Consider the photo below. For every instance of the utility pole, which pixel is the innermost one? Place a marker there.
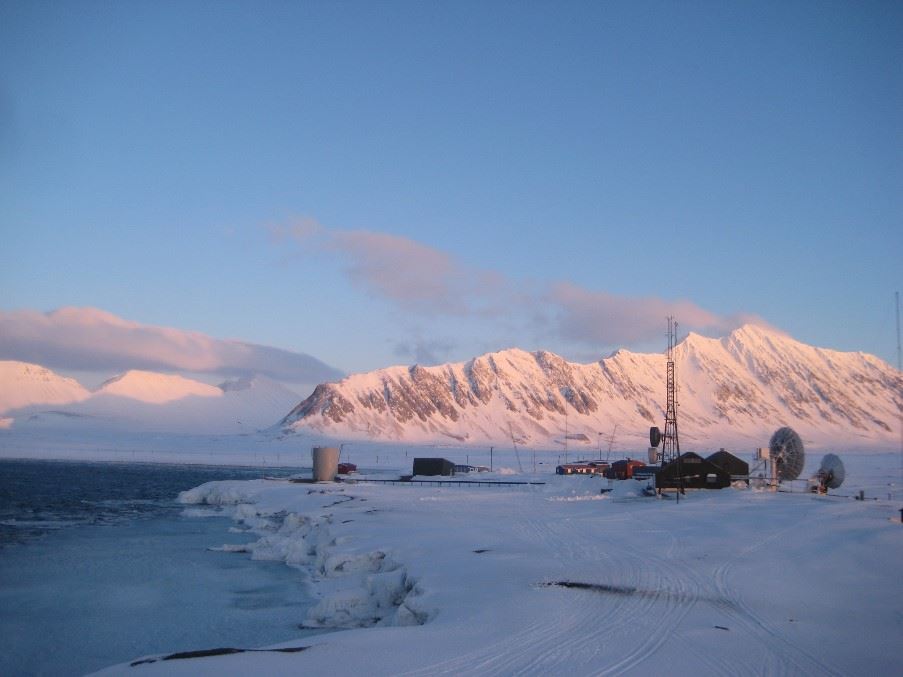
(565, 428)
(611, 442)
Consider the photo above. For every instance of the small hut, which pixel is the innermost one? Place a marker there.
(691, 471)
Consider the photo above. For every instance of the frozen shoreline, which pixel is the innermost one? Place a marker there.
(98, 562)
(733, 581)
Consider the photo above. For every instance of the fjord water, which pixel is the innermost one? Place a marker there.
(99, 565)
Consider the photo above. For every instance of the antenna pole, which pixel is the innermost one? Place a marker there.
(671, 443)
(899, 358)
(899, 368)
(565, 428)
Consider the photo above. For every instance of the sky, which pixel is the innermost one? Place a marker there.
(305, 189)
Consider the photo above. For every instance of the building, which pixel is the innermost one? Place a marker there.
(737, 468)
(623, 470)
(582, 468)
(433, 466)
(691, 471)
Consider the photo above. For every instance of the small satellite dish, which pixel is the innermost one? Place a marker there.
(787, 454)
(655, 436)
(831, 473)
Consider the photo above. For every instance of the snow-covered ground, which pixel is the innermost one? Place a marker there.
(560, 578)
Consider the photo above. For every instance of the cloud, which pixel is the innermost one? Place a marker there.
(602, 318)
(409, 274)
(94, 340)
(425, 352)
(425, 281)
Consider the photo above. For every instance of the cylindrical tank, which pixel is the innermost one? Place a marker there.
(326, 463)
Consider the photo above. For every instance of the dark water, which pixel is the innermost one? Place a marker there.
(99, 565)
(40, 497)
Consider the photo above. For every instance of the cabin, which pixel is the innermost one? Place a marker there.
(464, 469)
(582, 468)
(691, 471)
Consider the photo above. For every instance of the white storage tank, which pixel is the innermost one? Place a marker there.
(326, 463)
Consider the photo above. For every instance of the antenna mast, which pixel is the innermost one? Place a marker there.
(899, 368)
(670, 442)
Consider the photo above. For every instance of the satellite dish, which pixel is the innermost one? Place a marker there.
(831, 472)
(655, 436)
(787, 454)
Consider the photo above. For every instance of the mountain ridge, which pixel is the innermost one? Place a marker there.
(734, 389)
(138, 401)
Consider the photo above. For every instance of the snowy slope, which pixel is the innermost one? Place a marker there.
(734, 390)
(148, 386)
(23, 384)
(140, 401)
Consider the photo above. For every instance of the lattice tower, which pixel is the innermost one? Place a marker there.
(670, 441)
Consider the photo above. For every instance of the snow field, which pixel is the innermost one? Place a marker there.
(458, 580)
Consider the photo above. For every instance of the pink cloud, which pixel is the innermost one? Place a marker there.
(407, 272)
(426, 281)
(95, 340)
(603, 318)
(410, 274)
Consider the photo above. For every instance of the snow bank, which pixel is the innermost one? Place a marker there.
(355, 589)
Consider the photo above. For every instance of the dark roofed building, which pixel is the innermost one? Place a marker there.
(692, 471)
(737, 468)
(433, 466)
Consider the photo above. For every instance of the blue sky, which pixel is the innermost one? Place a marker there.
(373, 183)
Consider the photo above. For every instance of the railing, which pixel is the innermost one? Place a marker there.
(478, 483)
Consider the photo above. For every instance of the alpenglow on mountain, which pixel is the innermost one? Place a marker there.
(34, 398)
(732, 391)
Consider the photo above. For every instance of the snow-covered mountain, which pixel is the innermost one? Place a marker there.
(33, 397)
(732, 391)
(154, 388)
(23, 384)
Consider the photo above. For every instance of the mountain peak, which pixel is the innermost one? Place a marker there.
(156, 388)
(23, 384)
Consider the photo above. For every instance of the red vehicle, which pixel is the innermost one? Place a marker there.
(347, 468)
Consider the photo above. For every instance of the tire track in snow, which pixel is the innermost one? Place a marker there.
(670, 600)
(674, 595)
(543, 645)
(735, 606)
